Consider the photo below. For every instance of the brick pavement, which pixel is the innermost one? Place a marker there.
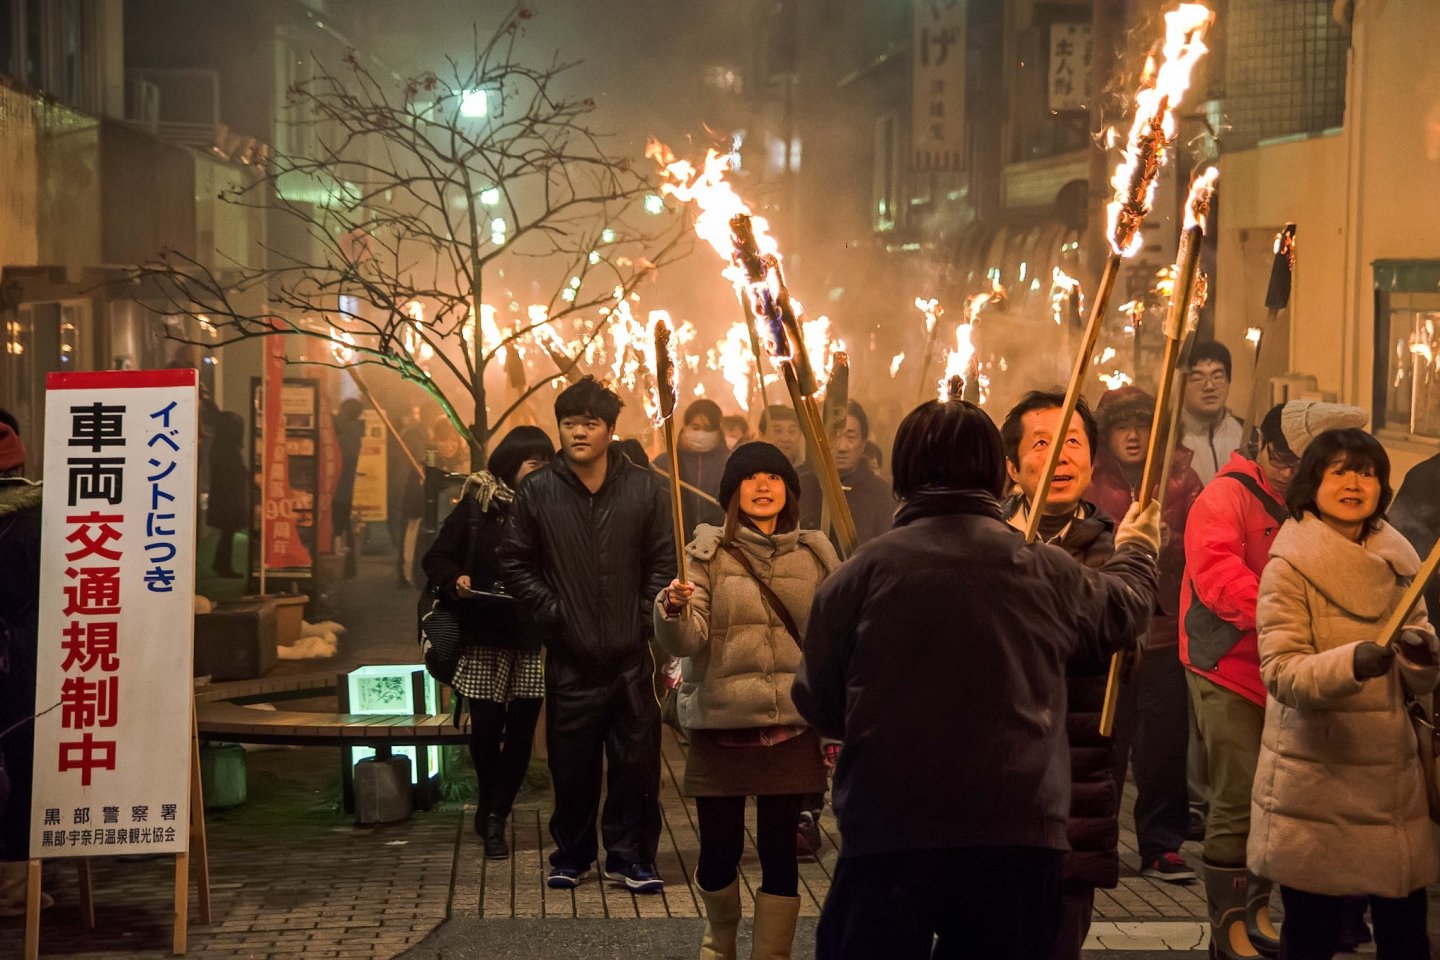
(293, 877)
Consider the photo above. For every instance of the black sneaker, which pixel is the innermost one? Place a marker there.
(637, 877)
(1169, 867)
(567, 878)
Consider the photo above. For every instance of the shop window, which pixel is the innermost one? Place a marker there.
(1407, 347)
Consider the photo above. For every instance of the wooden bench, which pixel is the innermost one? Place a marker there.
(221, 717)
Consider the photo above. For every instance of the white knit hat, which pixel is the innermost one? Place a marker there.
(1301, 421)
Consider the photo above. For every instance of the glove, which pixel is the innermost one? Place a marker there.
(1140, 527)
(1414, 646)
(1372, 660)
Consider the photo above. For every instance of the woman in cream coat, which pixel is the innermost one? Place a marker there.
(1339, 805)
(746, 737)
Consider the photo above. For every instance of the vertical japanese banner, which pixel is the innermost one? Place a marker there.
(116, 614)
(937, 89)
(284, 549)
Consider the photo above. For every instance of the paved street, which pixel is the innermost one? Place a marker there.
(294, 877)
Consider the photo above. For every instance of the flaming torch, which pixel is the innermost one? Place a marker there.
(1177, 322)
(1277, 298)
(664, 366)
(769, 301)
(1134, 185)
(933, 312)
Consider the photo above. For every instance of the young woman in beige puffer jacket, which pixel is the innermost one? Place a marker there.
(746, 737)
(1339, 804)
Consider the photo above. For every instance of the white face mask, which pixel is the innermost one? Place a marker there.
(695, 440)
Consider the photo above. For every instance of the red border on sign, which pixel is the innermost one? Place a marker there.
(121, 379)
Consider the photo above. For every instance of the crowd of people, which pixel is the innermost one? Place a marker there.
(944, 682)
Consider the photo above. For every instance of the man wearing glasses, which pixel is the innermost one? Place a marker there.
(1207, 428)
(1227, 544)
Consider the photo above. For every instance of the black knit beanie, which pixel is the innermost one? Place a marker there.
(757, 457)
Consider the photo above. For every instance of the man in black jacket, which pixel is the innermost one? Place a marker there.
(588, 547)
(1087, 534)
(938, 654)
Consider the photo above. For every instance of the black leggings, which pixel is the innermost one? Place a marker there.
(1311, 930)
(500, 739)
(722, 841)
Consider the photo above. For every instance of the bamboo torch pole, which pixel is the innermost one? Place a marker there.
(664, 367)
(835, 411)
(764, 393)
(933, 312)
(1277, 298)
(769, 303)
(1146, 151)
(1409, 598)
(1187, 268)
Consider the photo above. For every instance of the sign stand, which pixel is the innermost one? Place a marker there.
(181, 927)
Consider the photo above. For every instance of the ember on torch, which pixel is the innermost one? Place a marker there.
(1146, 150)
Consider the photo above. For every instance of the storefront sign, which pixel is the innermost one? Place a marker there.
(937, 99)
(283, 504)
(116, 615)
(1068, 82)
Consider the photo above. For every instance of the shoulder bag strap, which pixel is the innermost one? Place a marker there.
(770, 596)
(474, 536)
(1268, 502)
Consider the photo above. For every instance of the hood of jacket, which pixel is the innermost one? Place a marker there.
(18, 494)
(1357, 577)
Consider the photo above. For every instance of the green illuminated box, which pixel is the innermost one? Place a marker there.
(392, 688)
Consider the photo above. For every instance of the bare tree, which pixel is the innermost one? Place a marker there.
(406, 207)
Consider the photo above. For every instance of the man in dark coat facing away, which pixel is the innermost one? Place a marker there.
(938, 655)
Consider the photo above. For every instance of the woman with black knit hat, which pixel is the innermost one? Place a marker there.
(738, 625)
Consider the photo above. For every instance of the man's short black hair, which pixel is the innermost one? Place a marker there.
(588, 397)
(1213, 351)
(1272, 434)
(854, 409)
(1356, 449)
(1014, 427)
(523, 443)
(776, 412)
(949, 445)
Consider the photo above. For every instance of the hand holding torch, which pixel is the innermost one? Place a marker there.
(665, 390)
(1410, 597)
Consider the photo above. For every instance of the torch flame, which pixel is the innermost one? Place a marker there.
(932, 311)
(1062, 288)
(1202, 195)
(1252, 334)
(342, 346)
(1116, 380)
(895, 362)
(1154, 126)
(714, 198)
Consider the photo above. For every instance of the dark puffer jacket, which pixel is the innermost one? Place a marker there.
(938, 654)
(588, 565)
(1094, 827)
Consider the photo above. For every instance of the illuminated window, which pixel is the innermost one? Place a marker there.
(1407, 346)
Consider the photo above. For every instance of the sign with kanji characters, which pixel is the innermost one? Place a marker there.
(937, 97)
(371, 495)
(116, 615)
(1068, 81)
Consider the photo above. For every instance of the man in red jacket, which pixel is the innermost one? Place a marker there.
(1152, 725)
(1227, 544)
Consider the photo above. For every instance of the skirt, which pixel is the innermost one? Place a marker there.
(715, 770)
(499, 674)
